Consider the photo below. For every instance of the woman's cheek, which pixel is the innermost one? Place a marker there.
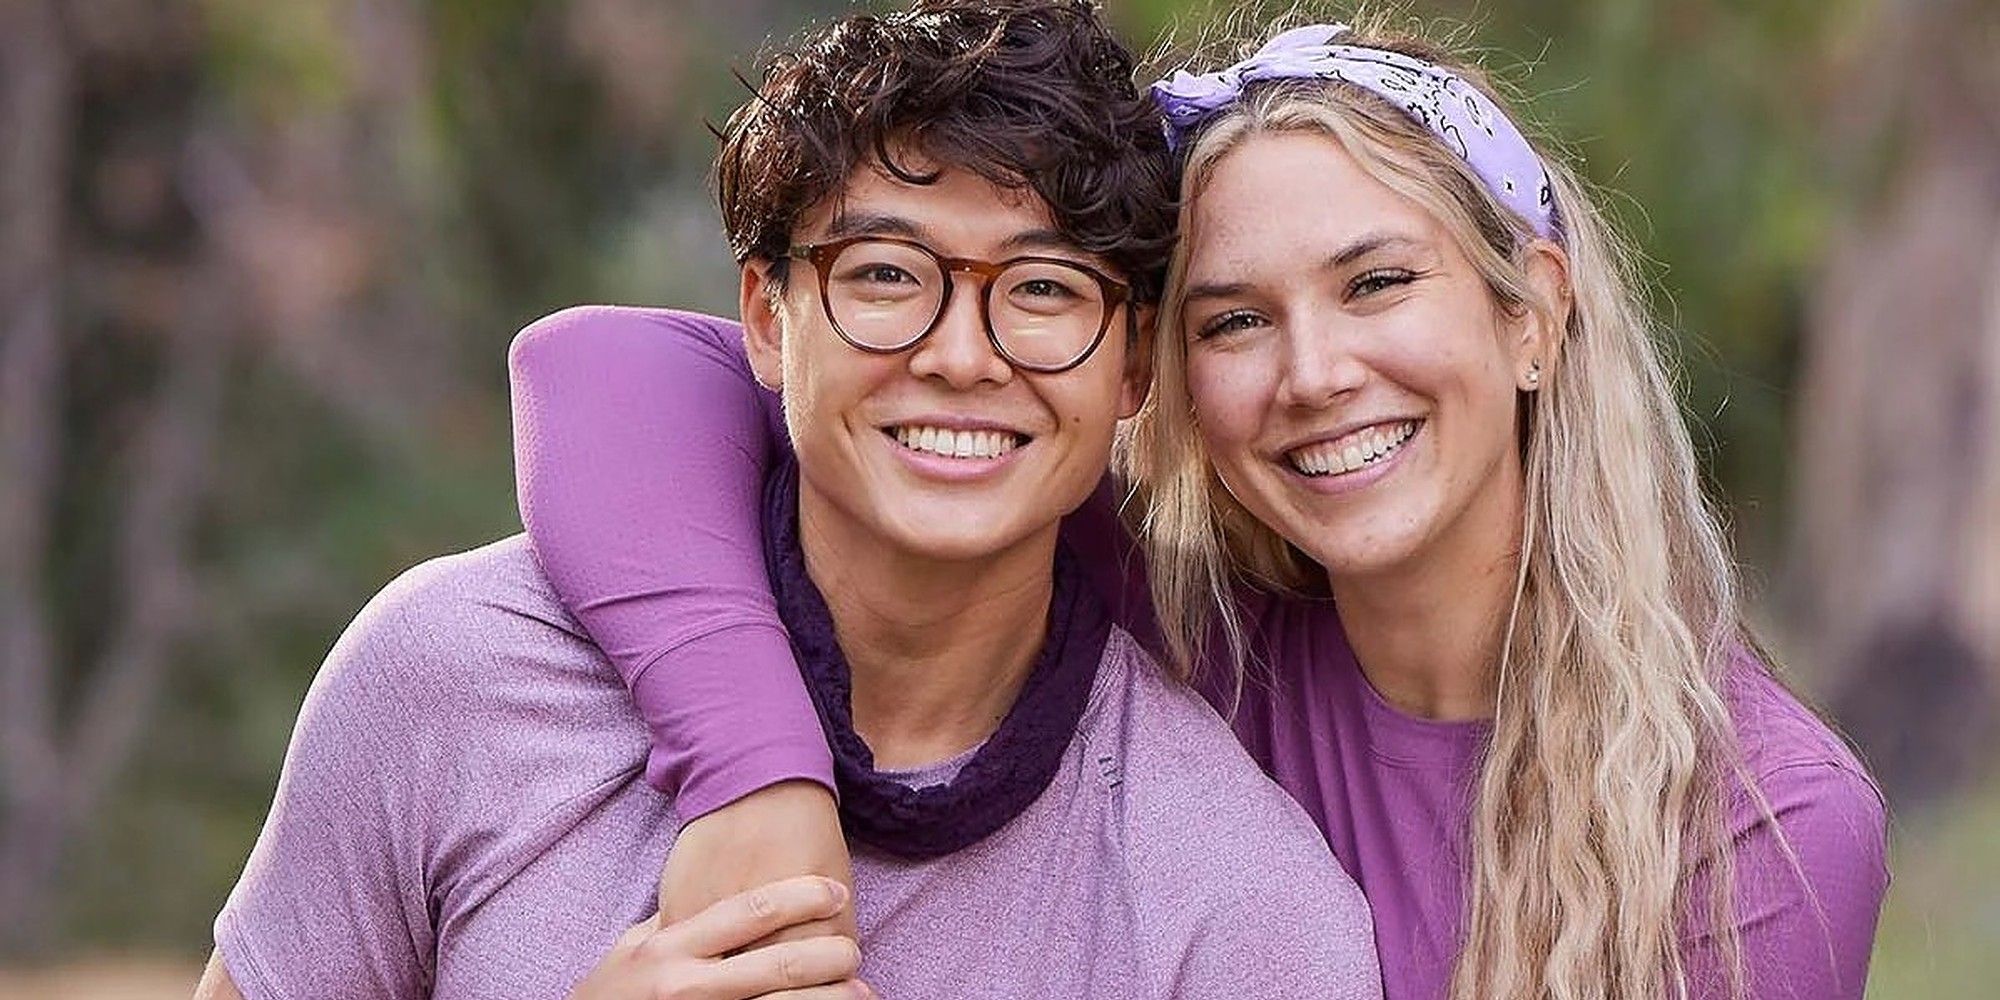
(1225, 394)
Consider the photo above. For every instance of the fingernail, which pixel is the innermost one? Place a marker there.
(839, 892)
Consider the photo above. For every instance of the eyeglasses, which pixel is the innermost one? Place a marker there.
(1042, 314)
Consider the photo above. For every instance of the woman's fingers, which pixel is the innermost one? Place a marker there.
(705, 956)
(747, 917)
(791, 967)
(852, 989)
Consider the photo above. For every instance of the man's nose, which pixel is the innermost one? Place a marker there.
(958, 349)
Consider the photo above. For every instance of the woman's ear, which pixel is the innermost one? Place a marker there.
(763, 328)
(1539, 341)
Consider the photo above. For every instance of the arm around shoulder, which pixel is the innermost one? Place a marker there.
(641, 445)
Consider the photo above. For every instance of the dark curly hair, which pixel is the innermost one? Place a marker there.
(1025, 93)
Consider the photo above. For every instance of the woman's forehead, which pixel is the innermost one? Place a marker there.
(1298, 199)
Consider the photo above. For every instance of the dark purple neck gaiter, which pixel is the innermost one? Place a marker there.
(1005, 776)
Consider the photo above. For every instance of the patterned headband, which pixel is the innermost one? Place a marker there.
(1464, 119)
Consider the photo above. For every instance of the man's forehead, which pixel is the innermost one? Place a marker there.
(958, 212)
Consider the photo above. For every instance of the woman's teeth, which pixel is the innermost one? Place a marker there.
(1351, 452)
(956, 444)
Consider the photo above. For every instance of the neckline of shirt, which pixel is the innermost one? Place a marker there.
(935, 773)
(1393, 735)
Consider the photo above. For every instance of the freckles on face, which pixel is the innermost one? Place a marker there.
(1349, 373)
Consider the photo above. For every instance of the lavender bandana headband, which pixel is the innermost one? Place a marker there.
(1455, 111)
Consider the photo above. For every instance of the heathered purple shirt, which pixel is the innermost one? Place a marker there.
(462, 814)
(641, 444)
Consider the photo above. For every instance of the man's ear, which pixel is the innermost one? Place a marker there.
(1138, 361)
(763, 328)
(1540, 336)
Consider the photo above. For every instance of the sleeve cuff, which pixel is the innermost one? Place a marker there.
(729, 714)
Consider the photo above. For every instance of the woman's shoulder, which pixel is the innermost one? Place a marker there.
(1777, 730)
(1817, 788)
(1811, 848)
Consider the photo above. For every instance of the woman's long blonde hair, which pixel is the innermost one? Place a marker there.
(1612, 752)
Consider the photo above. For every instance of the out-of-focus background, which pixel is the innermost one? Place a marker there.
(260, 261)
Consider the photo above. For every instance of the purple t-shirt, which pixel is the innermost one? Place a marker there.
(462, 814)
(641, 445)
(1392, 791)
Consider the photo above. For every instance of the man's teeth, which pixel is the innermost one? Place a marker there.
(1346, 454)
(956, 444)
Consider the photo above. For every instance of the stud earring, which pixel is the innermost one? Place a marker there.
(1534, 376)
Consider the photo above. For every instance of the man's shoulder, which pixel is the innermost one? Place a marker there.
(466, 665)
(456, 632)
(1221, 861)
(1182, 748)
(1191, 791)
(463, 750)
(500, 577)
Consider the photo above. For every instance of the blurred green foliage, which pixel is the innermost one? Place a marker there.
(1942, 918)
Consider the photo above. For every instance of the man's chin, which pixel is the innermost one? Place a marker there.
(946, 541)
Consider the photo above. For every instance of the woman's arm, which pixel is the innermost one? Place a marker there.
(641, 443)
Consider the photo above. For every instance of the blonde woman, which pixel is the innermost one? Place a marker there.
(1420, 516)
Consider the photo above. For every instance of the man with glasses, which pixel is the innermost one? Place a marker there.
(1042, 314)
(932, 285)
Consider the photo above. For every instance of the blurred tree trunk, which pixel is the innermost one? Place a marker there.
(36, 95)
(151, 231)
(1899, 416)
(72, 707)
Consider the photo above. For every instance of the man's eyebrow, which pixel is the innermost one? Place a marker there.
(1040, 239)
(872, 224)
(1355, 250)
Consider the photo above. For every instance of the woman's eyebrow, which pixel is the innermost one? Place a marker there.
(1353, 250)
(1369, 243)
(1214, 290)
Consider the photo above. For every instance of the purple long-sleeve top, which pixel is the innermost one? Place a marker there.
(641, 445)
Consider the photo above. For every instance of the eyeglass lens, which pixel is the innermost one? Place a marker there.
(885, 295)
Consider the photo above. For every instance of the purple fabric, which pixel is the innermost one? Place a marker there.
(1388, 791)
(1010, 769)
(1392, 792)
(604, 520)
(1463, 118)
(462, 815)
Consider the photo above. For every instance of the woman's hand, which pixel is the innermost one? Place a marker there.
(788, 829)
(714, 954)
